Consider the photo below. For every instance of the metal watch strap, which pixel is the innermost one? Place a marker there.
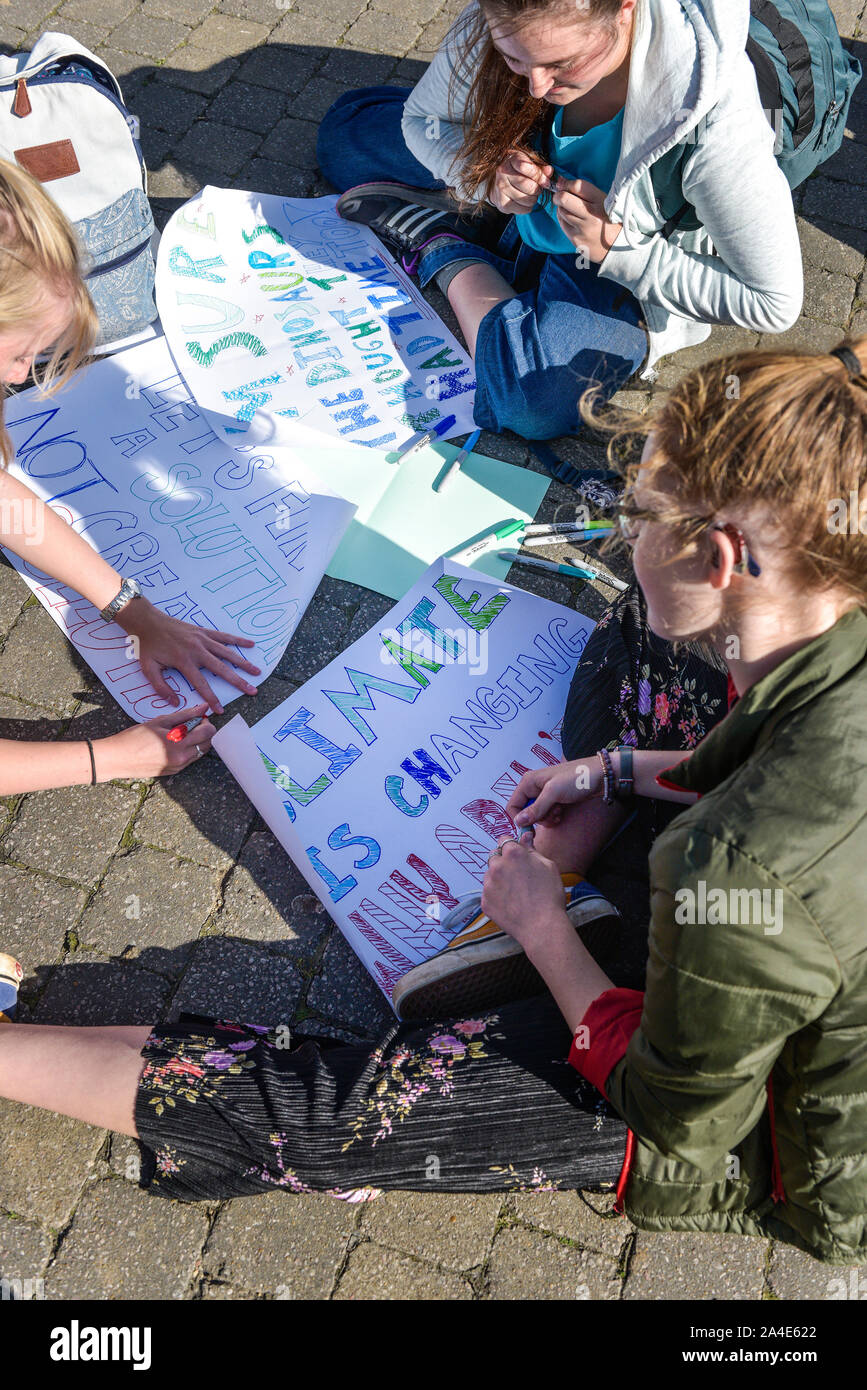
(129, 589)
(625, 788)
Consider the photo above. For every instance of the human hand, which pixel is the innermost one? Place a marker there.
(581, 213)
(518, 183)
(523, 894)
(144, 750)
(168, 642)
(552, 790)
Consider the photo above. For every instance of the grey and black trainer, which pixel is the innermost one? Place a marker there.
(409, 219)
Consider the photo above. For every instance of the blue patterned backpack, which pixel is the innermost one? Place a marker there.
(62, 118)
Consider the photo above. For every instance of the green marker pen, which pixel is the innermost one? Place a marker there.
(509, 529)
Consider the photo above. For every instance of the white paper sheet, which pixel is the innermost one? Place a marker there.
(235, 542)
(386, 776)
(278, 307)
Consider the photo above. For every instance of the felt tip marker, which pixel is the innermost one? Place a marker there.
(566, 538)
(455, 466)
(502, 532)
(572, 571)
(441, 428)
(556, 528)
(181, 730)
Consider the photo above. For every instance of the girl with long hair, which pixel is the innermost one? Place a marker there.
(621, 175)
(45, 309)
(728, 1090)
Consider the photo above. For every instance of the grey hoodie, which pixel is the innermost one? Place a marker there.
(691, 85)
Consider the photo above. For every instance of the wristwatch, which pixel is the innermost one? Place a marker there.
(625, 788)
(129, 589)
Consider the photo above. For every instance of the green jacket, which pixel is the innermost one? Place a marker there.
(761, 998)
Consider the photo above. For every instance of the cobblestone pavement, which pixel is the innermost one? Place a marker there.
(230, 94)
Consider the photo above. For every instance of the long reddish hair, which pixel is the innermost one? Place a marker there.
(500, 114)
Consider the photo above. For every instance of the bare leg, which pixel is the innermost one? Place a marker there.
(91, 1074)
(581, 835)
(473, 293)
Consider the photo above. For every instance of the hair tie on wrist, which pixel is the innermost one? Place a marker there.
(849, 359)
(92, 762)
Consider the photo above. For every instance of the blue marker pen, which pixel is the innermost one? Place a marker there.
(442, 427)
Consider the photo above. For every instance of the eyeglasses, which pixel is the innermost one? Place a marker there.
(630, 516)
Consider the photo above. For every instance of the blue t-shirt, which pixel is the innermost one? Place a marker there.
(593, 156)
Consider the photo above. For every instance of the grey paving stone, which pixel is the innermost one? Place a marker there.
(826, 244)
(26, 14)
(12, 40)
(249, 105)
(266, 12)
(679, 1265)
(310, 31)
(339, 11)
(859, 324)
(318, 639)
(371, 610)
(35, 915)
(152, 37)
(568, 1214)
(378, 33)
(24, 1251)
(267, 900)
(808, 335)
(724, 339)
(149, 900)
(847, 14)
(215, 145)
(528, 1265)
(168, 108)
(39, 665)
(228, 37)
(73, 832)
(420, 11)
(315, 98)
(200, 814)
(170, 181)
(123, 1244)
(18, 720)
(189, 12)
(448, 1229)
(828, 296)
(267, 176)
(198, 69)
(86, 992)
(836, 201)
(234, 981)
(849, 163)
(343, 991)
(793, 1274)
(271, 693)
(155, 145)
(358, 69)
(281, 67)
(289, 1244)
(293, 142)
(44, 1162)
(373, 1273)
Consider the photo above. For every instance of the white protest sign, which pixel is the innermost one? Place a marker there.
(278, 307)
(237, 542)
(387, 775)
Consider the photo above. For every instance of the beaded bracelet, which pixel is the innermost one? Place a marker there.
(607, 776)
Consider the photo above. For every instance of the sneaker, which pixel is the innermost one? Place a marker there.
(11, 976)
(482, 965)
(409, 219)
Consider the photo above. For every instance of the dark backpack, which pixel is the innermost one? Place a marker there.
(805, 79)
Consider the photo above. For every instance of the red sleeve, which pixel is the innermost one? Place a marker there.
(607, 1026)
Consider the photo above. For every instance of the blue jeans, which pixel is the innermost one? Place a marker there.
(535, 353)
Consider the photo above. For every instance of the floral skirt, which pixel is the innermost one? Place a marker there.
(485, 1104)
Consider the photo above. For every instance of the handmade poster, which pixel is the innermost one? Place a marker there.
(402, 524)
(233, 542)
(279, 307)
(386, 776)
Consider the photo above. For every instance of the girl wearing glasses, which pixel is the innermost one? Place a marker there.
(727, 1090)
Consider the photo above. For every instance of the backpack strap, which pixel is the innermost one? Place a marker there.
(795, 49)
